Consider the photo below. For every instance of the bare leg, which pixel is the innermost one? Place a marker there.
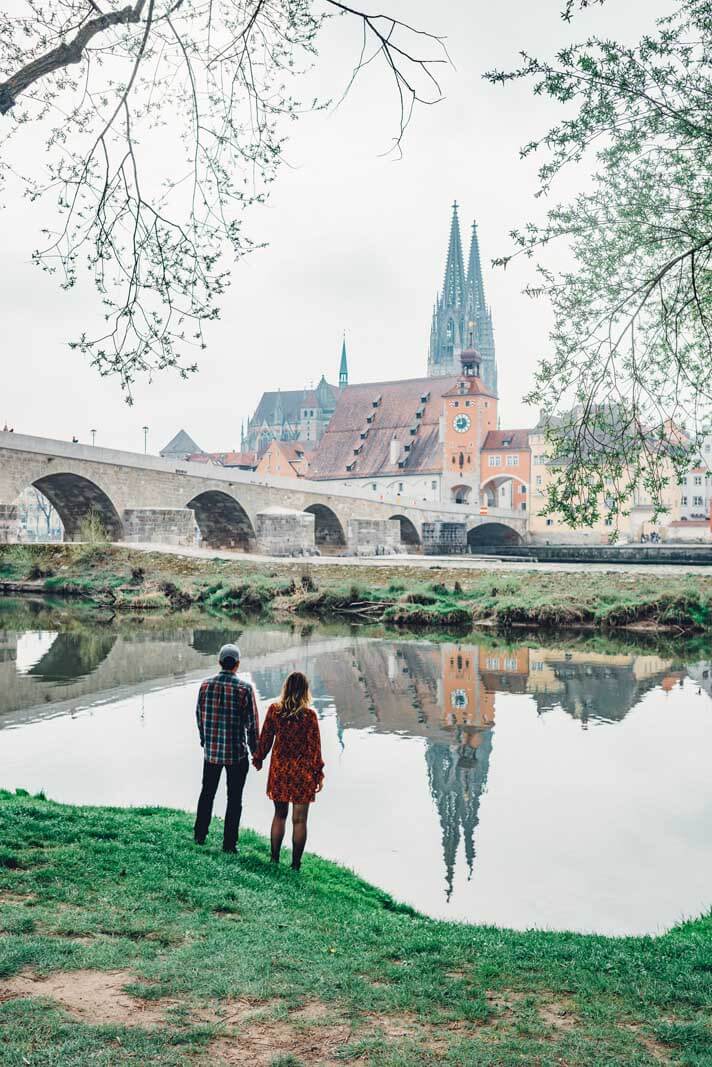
(299, 833)
(279, 823)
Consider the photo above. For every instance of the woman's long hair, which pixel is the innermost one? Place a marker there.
(295, 694)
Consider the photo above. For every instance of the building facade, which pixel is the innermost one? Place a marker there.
(461, 318)
(294, 414)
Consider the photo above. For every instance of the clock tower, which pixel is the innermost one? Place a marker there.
(469, 413)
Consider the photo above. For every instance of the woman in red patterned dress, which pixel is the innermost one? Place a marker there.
(296, 772)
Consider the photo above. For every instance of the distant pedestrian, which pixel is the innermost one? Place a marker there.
(75, 440)
(296, 772)
(228, 725)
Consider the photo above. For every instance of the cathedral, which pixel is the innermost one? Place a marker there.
(461, 318)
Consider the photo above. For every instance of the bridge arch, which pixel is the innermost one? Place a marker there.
(492, 534)
(222, 521)
(76, 499)
(408, 531)
(328, 531)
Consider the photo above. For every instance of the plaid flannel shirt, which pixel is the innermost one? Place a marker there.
(228, 722)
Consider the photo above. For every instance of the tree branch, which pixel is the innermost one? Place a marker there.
(63, 55)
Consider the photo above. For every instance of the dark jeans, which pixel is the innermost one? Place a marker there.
(236, 774)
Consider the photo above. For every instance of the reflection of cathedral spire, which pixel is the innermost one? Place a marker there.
(457, 776)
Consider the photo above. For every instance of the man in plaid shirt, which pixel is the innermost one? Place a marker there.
(228, 725)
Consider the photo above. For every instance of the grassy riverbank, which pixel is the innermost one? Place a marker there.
(398, 595)
(123, 943)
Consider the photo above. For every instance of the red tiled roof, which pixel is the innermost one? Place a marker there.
(238, 459)
(499, 439)
(295, 450)
(393, 417)
(475, 386)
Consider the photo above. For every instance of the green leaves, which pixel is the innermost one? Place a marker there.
(627, 384)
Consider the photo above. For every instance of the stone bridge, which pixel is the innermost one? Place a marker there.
(149, 499)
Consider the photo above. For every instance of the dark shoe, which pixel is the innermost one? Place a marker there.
(199, 841)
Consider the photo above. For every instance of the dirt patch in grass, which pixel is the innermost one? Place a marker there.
(259, 1044)
(654, 1048)
(94, 997)
(559, 1015)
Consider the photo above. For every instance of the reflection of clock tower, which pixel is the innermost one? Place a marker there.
(469, 413)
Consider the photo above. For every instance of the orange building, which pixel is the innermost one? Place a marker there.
(505, 469)
(285, 459)
(469, 415)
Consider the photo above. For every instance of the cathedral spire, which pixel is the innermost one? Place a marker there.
(475, 285)
(344, 368)
(453, 294)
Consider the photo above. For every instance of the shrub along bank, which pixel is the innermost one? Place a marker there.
(123, 943)
(396, 594)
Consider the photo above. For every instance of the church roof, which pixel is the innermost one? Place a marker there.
(291, 402)
(368, 417)
(181, 445)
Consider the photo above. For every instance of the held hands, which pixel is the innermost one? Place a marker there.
(257, 763)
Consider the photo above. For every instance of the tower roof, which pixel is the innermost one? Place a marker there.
(475, 285)
(180, 445)
(453, 294)
(344, 367)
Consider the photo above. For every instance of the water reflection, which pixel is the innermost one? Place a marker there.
(438, 703)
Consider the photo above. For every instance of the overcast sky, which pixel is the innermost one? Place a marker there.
(356, 241)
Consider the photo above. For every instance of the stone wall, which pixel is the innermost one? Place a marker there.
(444, 538)
(167, 526)
(629, 554)
(373, 537)
(8, 523)
(282, 532)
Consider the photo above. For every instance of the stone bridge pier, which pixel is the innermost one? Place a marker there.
(148, 499)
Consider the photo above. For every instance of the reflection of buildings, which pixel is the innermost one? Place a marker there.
(442, 693)
(592, 686)
(446, 695)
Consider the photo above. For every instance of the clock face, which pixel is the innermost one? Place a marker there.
(461, 423)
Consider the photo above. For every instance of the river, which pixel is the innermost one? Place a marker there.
(549, 783)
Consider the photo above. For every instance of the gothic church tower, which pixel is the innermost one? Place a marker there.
(461, 318)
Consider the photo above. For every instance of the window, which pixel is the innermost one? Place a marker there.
(400, 487)
(433, 485)
(549, 522)
(524, 505)
(510, 664)
(683, 501)
(537, 665)
(494, 461)
(523, 490)
(539, 458)
(697, 501)
(538, 480)
(493, 663)
(469, 459)
(455, 404)
(697, 480)
(373, 486)
(609, 521)
(512, 461)
(467, 403)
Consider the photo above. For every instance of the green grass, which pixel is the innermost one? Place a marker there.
(396, 594)
(110, 889)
